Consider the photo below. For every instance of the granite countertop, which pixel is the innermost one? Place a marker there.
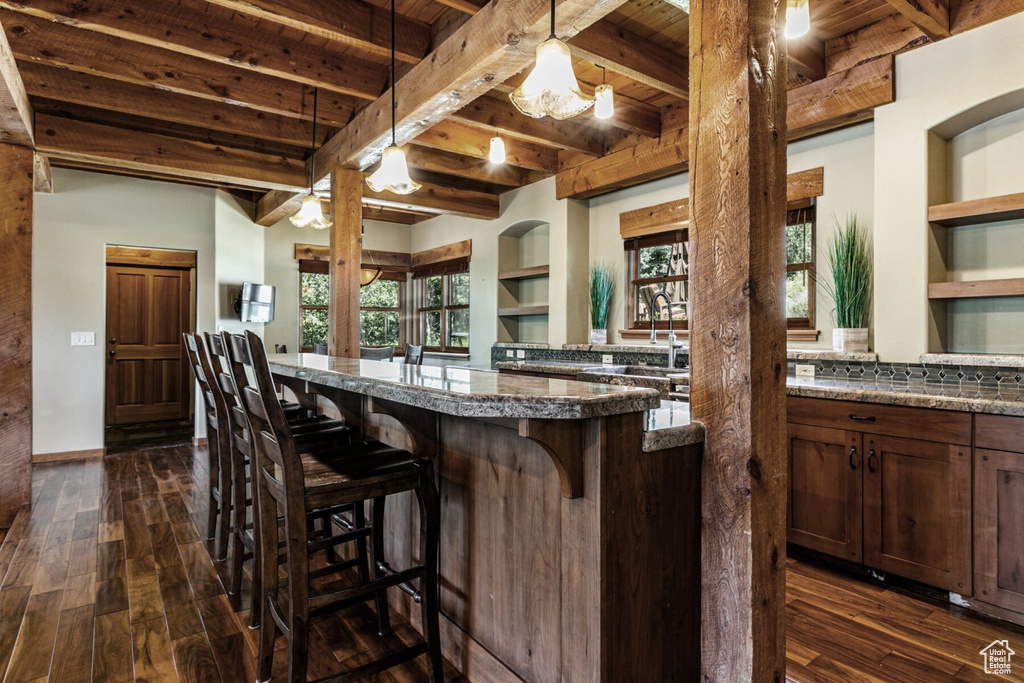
(670, 426)
(467, 393)
(552, 367)
(979, 359)
(995, 400)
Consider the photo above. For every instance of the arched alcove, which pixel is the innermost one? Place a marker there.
(523, 259)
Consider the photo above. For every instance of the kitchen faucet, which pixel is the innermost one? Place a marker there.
(672, 348)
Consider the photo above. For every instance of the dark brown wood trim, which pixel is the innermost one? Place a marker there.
(147, 256)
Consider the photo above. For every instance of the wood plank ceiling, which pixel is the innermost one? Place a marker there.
(219, 92)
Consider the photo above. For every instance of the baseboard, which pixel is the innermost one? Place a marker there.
(39, 458)
(196, 441)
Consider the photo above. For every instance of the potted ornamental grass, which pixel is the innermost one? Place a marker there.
(602, 285)
(849, 285)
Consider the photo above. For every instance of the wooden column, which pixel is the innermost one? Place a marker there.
(346, 258)
(15, 329)
(738, 342)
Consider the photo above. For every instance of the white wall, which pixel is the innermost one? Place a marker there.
(239, 249)
(71, 229)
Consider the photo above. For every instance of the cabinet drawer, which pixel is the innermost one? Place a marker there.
(999, 433)
(944, 426)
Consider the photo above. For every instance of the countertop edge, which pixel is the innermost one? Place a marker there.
(673, 437)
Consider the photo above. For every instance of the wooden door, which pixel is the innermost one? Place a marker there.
(917, 510)
(999, 528)
(824, 510)
(147, 376)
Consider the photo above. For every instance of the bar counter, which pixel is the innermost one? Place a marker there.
(570, 515)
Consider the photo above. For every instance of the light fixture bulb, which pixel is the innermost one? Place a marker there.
(393, 174)
(605, 102)
(310, 214)
(551, 88)
(798, 18)
(497, 153)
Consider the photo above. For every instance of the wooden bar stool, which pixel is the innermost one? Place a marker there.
(298, 482)
(219, 447)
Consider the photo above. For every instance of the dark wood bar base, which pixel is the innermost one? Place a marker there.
(537, 585)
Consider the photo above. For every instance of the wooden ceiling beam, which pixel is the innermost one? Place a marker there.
(891, 35)
(127, 98)
(833, 102)
(472, 141)
(15, 110)
(968, 14)
(175, 27)
(42, 175)
(82, 142)
(931, 16)
(391, 216)
(806, 60)
(463, 166)
(277, 205)
(497, 42)
(54, 44)
(349, 22)
(501, 116)
(632, 56)
(438, 200)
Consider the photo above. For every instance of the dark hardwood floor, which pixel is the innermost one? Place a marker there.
(107, 579)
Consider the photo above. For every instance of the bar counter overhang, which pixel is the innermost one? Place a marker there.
(570, 538)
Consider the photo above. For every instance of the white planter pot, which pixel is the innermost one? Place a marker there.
(850, 339)
(598, 336)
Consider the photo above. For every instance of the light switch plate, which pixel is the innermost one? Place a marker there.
(805, 371)
(509, 354)
(521, 354)
(83, 339)
(607, 359)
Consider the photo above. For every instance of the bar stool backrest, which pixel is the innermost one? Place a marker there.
(320, 349)
(280, 466)
(414, 354)
(216, 409)
(223, 368)
(377, 353)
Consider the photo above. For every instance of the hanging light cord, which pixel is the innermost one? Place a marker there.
(552, 18)
(393, 104)
(312, 146)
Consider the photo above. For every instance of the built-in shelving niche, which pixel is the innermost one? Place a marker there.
(523, 251)
(976, 213)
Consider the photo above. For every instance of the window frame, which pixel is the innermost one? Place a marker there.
(400, 278)
(315, 267)
(632, 247)
(801, 213)
(446, 306)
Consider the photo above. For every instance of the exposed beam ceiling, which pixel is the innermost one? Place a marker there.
(633, 56)
(472, 141)
(15, 109)
(931, 16)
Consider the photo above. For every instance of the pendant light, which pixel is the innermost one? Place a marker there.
(393, 174)
(310, 214)
(368, 275)
(551, 89)
(798, 18)
(497, 153)
(605, 105)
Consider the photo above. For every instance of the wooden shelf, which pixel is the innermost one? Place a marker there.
(976, 289)
(524, 310)
(524, 273)
(976, 211)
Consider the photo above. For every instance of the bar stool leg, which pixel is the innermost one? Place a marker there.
(268, 580)
(211, 517)
(298, 607)
(383, 616)
(238, 521)
(359, 522)
(430, 514)
(226, 491)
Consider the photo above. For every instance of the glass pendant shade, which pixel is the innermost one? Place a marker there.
(497, 153)
(604, 108)
(551, 88)
(368, 275)
(798, 18)
(393, 174)
(310, 214)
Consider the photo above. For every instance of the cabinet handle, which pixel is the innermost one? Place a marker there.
(853, 452)
(871, 454)
(870, 418)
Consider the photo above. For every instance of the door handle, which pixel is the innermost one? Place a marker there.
(112, 353)
(853, 452)
(111, 341)
(871, 468)
(870, 418)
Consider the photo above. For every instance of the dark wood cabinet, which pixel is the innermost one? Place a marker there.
(917, 510)
(999, 512)
(861, 489)
(824, 509)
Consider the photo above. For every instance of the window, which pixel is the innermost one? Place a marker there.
(314, 297)
(444, 308)
(658, 263)
(800, 267)
(380, 312)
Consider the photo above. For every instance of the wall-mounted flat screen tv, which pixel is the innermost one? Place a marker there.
(257, 303)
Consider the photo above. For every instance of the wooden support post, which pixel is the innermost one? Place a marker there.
(738, 338)
(346, 257)
(15, 329)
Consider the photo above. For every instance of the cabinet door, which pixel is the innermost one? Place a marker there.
(824, 510)
(917, 510)
(999, 528)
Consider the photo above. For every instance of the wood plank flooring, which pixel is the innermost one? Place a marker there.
(108, 579)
